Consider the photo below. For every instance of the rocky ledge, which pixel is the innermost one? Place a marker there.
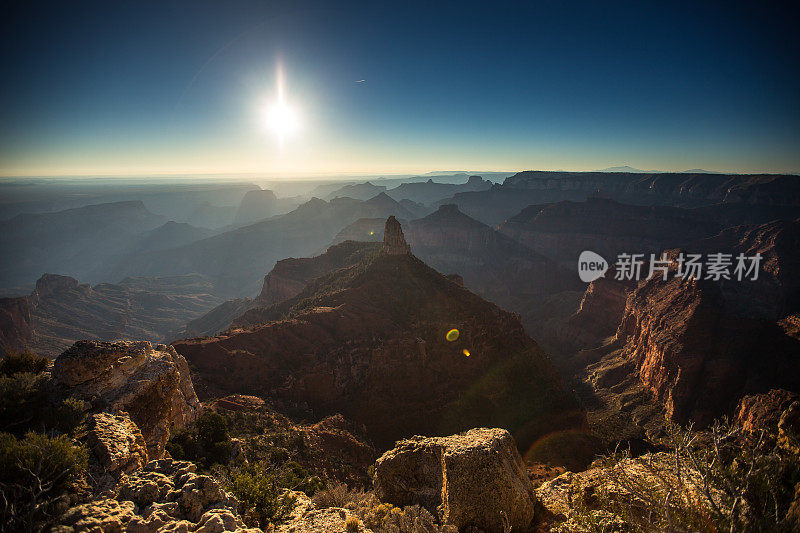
(151, 385)
(165, 495)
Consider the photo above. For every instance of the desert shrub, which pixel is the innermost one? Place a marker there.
(375, 513)
(352, 524)
(23, 401)
(414, 519)
(26, 404)
(260, 495)
(67, 415)
(212, 427)
(207, 442)
(718, 480)
(294, 476)
(337, 495)
(34, 472)
(386, 518)
(15, 362)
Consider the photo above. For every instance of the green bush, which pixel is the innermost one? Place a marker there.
(256, 486)
(34, 472)
(212, 427)
(23, 402)
(66, 416)
(15, 362)
(295, 477)
(207, 442)
(26, 405)
(337, 495)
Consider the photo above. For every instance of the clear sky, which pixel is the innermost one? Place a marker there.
(180, 87)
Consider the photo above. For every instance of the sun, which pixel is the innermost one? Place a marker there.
(281, 119)
(279, 116)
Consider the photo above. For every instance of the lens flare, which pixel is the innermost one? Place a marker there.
(452, 335)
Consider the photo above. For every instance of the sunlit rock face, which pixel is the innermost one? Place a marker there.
(701, 345)
(394, 243)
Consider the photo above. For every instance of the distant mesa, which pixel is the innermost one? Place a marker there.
(61, 311)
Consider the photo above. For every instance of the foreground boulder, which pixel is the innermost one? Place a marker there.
(152, 385)
(475, 479)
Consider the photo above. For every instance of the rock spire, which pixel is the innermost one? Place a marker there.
(394, 243)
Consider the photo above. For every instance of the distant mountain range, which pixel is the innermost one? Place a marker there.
(626, 168)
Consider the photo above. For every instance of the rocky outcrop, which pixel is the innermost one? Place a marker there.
(237, 402)
(116, 442)
(337, 439)
(278, 288)
(763, 411)
(166, 495)
(50, 284)
(152, 385)
(473, 479)
(394, 243)
(103, 516)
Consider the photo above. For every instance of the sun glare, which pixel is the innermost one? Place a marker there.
(280, 117)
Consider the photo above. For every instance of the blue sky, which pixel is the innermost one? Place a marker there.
(182, 87)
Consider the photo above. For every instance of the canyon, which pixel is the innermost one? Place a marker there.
(356, 338)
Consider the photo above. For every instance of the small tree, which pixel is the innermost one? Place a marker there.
(259, 494)
(34, 472)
